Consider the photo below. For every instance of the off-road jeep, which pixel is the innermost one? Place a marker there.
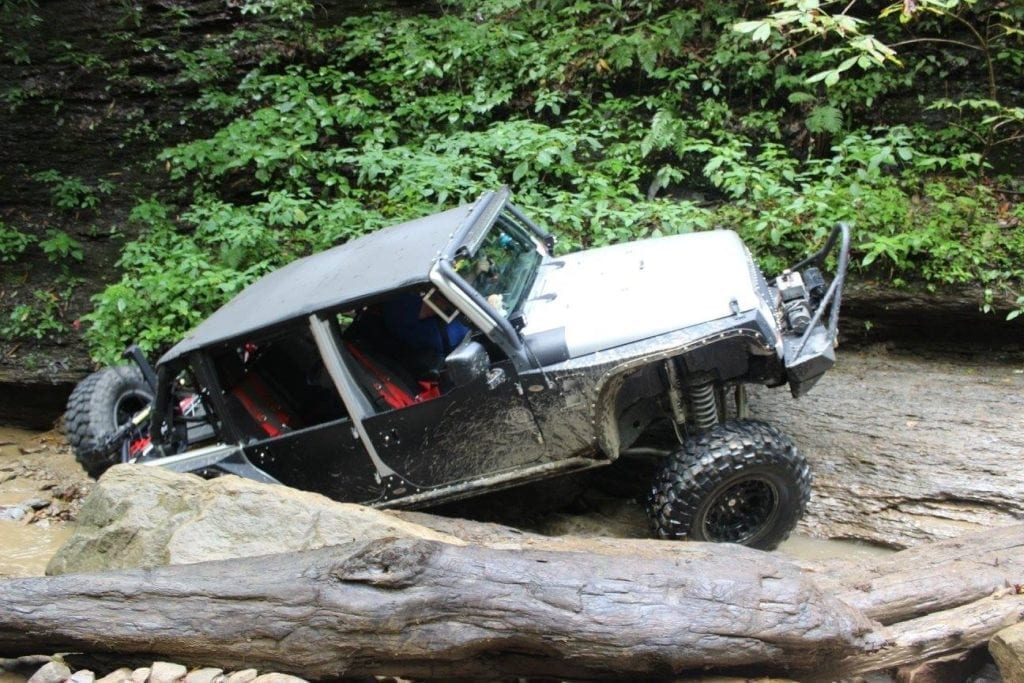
(456, 354)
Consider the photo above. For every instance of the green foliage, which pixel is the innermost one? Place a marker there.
(60, 246)
(284, 10)
(991, 28)
(18, 19)
(71, 193)
(13, 243)
(611, 121)
(824, 119)
(39, 318)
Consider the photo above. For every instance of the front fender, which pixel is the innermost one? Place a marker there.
(607, 406)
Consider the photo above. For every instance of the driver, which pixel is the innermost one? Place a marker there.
(412, 321)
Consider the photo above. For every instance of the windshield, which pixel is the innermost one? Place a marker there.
(503, 267)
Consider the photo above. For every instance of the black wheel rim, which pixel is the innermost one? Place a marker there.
(741, 511)
(127, 405)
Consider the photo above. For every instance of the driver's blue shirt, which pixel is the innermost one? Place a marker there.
(402, 320)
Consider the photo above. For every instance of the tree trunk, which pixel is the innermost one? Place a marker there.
(423, 608)
(933, 577)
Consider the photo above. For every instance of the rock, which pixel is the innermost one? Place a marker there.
(204, 675)
(83, 676)
(35, 503)
(147, 516)
(71, 491)
(243, 676)
(988, 674)
(1007, 648)
(886, 437)
(12, 512)
(278, 678)
(166, 672)
(140, 675)
(32, 660)
(54, 672)
(122, 675)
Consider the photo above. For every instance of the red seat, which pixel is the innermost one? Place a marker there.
(387, 384)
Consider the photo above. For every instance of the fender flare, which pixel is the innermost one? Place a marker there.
(605, 420)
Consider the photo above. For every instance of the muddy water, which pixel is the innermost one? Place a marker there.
(31, 464)
(820, 549)
(26, 548)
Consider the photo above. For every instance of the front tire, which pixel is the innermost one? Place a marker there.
(739, 482)
(100, 404)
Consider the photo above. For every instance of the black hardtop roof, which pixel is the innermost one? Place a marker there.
(389, 259)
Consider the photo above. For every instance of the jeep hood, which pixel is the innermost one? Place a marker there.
(602, 298)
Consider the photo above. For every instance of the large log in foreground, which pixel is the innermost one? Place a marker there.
(424, 608)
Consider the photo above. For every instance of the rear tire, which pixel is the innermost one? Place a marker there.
(100, 404)
(739, 482)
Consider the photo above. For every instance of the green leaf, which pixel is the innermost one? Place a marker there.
(749, 26)
(824, 119)
(713, 165)
(820, 76)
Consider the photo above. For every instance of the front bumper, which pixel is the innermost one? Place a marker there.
(808, 355)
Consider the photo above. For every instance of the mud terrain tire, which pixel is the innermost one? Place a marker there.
(739, 482)
(100, 404)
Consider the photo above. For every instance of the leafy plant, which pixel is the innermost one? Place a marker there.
(71, 193)
(991, 29)
(60, 246)
(38, 319)
(13, 243)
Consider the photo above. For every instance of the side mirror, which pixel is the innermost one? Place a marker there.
(467, 363)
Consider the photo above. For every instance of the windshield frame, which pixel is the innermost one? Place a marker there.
(503, 266)
(466, 241)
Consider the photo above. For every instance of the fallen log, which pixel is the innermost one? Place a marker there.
(932, 577)
(427, 609)
(424, 608)
(928, 637)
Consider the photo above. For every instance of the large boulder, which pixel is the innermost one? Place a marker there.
(1007, 648)
(147, 516)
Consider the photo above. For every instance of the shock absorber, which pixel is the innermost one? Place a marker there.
(703, 406)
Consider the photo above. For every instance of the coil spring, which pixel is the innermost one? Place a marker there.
(703, 406)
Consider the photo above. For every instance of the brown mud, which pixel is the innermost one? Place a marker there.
(41, 487)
